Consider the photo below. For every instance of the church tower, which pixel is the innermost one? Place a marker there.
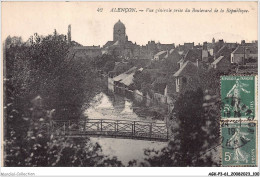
(69, 34)
(119, 32)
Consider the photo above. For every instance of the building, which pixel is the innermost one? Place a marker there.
(126, 49)
(86, 52)
(189, 45)
(253, 43)
(244, 54)
(193, 55)
(210, 46)
(205, 53)
(171, 61)
(221, 64)
(120, 45)
(165, 47)
(119, 32)
(187, 77)
(223, 51)
(122, 82)
(160, 55)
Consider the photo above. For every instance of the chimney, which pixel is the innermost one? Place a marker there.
(221, 42)
(205, 46)
(69, 34)
(213, 40)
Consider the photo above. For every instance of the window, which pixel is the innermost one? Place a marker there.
(178, 81)
(177, 84)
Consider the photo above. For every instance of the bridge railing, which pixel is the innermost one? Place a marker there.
(109, 127)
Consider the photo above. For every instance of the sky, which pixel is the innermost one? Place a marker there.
(90, 27)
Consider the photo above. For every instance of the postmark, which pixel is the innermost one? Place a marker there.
(239, 143)
(238, 97)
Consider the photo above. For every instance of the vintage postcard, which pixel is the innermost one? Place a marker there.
(130, 84)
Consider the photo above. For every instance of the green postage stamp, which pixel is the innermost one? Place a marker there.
(239, 143)
(238, 97)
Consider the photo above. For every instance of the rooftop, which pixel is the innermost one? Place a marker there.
(187, 68)
(217, 60)
(160, 53)
(193, 54)
(87, 48)
(245, 49)
(125, 74)
(119, 25)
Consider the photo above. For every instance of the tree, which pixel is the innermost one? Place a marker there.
(45, 68)
(109, 66)
(190, 142)
(100, 61)
(30, 146)
(66, 84)
(142, 79)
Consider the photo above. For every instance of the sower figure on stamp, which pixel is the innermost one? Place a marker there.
(237, 141)
(235, 93)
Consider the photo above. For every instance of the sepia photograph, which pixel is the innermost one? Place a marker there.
(129, 84)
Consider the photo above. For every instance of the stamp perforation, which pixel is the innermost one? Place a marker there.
(227, 122)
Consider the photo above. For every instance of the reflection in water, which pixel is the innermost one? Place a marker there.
(106, 106)
(126, 149)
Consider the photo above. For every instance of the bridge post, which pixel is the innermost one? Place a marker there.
(84, 128)
(167, 132)
(116, 126)
(134, 128)
(101, 124)
(151, 130)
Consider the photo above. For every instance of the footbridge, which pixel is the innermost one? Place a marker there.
(125, 129)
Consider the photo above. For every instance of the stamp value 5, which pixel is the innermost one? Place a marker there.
(239, 144)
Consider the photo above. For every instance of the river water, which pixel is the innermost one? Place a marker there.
(117, 107)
